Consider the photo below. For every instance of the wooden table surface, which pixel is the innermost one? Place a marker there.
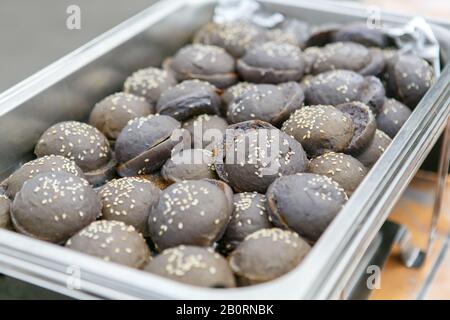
(432, 280)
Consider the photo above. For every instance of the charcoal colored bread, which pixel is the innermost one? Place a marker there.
(53, 206)
(112, 113)
(392, 117)
(112, 241)
(266, 102)
(261, 154)
(249, 215)
(193, 265)
(51, 163)
(204, 62)
(341, 86)
(191, 212)
(342, 168)
(77, 141)
(145, 144)
(266, 255)
(408, 78)
(271, 62)
(130, 200)
(188, 99)
(370, 155)
(320, 128)
(149, 83)
(345, 55)
(305, 203)
(235, 37)
(364, 124)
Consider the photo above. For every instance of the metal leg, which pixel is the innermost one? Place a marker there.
(444, 160)
(414, 257)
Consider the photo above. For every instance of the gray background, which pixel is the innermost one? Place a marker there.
(33, 33)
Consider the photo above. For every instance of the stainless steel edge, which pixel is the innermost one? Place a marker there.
(369, 207)
(78, 58)
(47, 265)
(324, 272)
(26, 103)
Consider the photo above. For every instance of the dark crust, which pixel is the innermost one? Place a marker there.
(129, 200)
(221, 81)
(185, 67)
(360, 33)
(244, 221)
(369, 156)
(377, 64)
(140, 86)
(183, 104)
(228, 96)
(230, 172)
(332, 131)
(295, 98)
(309, 212)
(333, 87)
(350, 174)
(267, 102)
(340, 86)
(364, 123)
(41, 224)
(321, 35)
(373, 93)
(214, 271)
(5, 218)
(271, 62)
(251, 125)
(408, 78)
(112, 113)
(267, 75)
(392, 117)
(149, 160)
(263, 259)
(225, 188)
(205, 122)
(137, 138)
(100, 176)
(51, 163)
(50, 143)
(235, 37)
(175, 172)
(122, 244)
(344, 55)
(186, 224)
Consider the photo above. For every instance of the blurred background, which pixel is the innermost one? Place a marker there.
(33, 33)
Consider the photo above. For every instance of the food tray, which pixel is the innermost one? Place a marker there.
(69, 88)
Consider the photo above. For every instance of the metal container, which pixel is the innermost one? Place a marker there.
(69, 88)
